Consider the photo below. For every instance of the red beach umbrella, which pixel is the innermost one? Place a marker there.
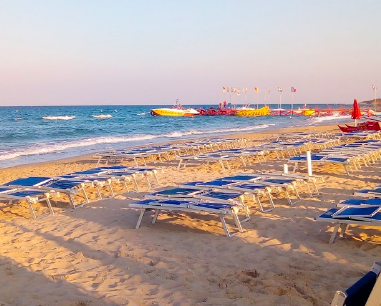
(356, 113)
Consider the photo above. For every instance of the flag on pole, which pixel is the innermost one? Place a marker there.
(223, 89)
(228, 89)
(280, 89)
(238, 92)
(256, 89)
(245, 90)
(293, 89)
(374, 87)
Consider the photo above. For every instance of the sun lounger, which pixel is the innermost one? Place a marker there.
(369, 193)
(347, 162)
(246, 188)
(360, 293)
(222, 159)
(349, 215)
(30, 196)
(275, 183)
(360, 202)
(306, 178)
(69, 187)
(186, 206)
(207, 195)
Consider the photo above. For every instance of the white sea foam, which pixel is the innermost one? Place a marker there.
(58, 117)
(141, 114)
(219, 131)
(49, 148)
(336, 117)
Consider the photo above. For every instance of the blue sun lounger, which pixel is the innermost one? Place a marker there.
(350, 215)
(133, 172)
(361, 293)
(360, 202)
(206, 195)
(275, 183)
(347, 162)
(369, 193)
(186, 206)
(69, 187)
(246, 188)
(30, 196)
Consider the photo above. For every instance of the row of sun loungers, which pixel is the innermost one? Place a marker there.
(225, 196)
(352, 155)
(258, 153)
(41, 189)
(169, 151)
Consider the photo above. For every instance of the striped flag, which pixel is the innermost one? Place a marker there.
(256, 89)
(293, 89)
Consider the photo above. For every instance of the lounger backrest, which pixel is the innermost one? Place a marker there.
(358, 293)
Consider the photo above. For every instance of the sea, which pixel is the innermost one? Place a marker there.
(33, 134)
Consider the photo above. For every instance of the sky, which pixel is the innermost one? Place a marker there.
(94, 52)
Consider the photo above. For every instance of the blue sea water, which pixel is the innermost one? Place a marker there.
(31, 134)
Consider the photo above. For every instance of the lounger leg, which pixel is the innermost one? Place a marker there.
(315, 186)
(222, 165)
(98, 192)
(50, 206)
(147, 179)
(111, 190)
(178, 166)
(270, 198)
(31, 210)
(71, 200)
(125, 179)
(334, 233)
(343, 229)
(155, 176)
(236, 221)
(135, 182)
(155, 216)
(224, 226)
(140, 218)
(85, 194)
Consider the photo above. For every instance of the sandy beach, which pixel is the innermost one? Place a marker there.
(94, 255)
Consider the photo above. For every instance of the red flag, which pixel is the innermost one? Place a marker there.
(293, 89)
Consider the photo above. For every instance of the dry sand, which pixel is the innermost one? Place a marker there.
(94, 255)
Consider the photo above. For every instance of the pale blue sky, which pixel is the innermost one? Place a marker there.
(66, 52)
